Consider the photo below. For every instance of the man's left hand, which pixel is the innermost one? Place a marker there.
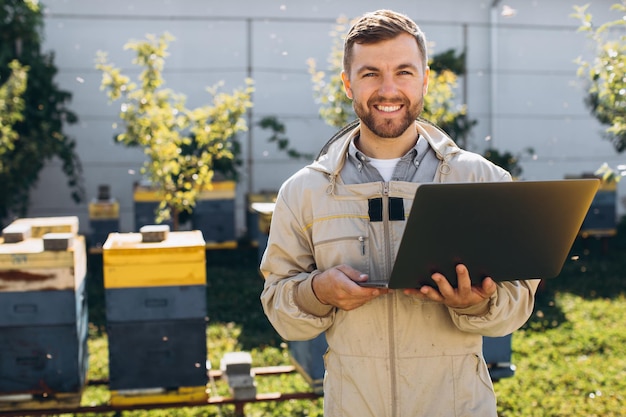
(465, 295)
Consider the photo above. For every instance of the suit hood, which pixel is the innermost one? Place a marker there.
(333, 155)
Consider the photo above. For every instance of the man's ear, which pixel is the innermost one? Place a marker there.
(346, 84)
(426, 77)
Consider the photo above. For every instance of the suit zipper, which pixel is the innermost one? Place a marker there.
(390, 303)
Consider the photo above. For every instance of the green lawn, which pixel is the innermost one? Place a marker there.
(570, 357)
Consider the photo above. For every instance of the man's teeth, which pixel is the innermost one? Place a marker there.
(388, 108)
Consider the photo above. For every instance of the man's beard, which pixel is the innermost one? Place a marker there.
(388, 128)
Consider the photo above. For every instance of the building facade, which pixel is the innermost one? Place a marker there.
(521, 84)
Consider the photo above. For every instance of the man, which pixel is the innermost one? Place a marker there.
(413, 352)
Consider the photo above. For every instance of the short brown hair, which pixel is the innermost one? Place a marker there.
(379, 26)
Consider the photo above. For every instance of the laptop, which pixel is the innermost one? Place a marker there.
(505, 230)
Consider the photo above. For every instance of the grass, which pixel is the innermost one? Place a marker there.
(575, 369)
(570, 356)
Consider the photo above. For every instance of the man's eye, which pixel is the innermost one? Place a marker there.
(369, 74)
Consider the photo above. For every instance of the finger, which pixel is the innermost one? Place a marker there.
(489, 287)
(431, 293)
(443, 285)
(351, 273)
(414, 292)
(464, 282)
(360, 278)
(361, 295)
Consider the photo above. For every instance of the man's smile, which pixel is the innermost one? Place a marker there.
(388, 109)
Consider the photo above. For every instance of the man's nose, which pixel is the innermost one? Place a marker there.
(388, 86)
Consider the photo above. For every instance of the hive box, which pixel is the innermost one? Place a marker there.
(258, 215)
(43, 310)
(43, 342)
(178, 260)
(178, 302)
(42, 225)
(146, 201)
(160, 353)
(26, 266)
(156, 312)
(214, 213)
(104, 218)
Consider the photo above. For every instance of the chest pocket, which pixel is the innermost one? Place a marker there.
(342, 239)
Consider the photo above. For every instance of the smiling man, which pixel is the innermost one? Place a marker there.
(390, 87)
(339, 221)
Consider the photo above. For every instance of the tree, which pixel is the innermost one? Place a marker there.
(279, 137)
(606, 72)
(36, 115)
(182, 145)
(439, 104)
(11, 108)
(507, 160)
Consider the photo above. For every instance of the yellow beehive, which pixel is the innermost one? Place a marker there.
(143, 193)
(219, 190)
(104, 210)
(129, 262)
(263, 197)
(27, 266)
(265, 212)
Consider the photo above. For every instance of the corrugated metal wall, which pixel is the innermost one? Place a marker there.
(521, 84)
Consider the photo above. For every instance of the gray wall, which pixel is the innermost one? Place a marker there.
(521, 84)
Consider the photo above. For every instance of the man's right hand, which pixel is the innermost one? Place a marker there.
(338, 287)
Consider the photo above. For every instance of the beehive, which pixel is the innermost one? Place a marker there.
(104, 217)
(129, 262)
(155, 293)
(26, 266)
(43, 309)
(146, 201)
(165, 354)
(41, 225)
(260, 206)
(214, 213)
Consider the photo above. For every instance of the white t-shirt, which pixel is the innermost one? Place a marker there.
(385, 166)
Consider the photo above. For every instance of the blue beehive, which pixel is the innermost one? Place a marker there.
(43, 308)
(155, 293)
(43, 342)
(104, 217)
(214, 213)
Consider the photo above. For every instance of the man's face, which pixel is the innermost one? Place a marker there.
(387, 84)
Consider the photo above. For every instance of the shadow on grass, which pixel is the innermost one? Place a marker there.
(95, 291)
(595, 268)
(234, 286)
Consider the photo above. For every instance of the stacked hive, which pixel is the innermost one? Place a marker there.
(237, 371)
(146, 201)
(155, 290)
(43, 320)
(104, 216)
(214, 214)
